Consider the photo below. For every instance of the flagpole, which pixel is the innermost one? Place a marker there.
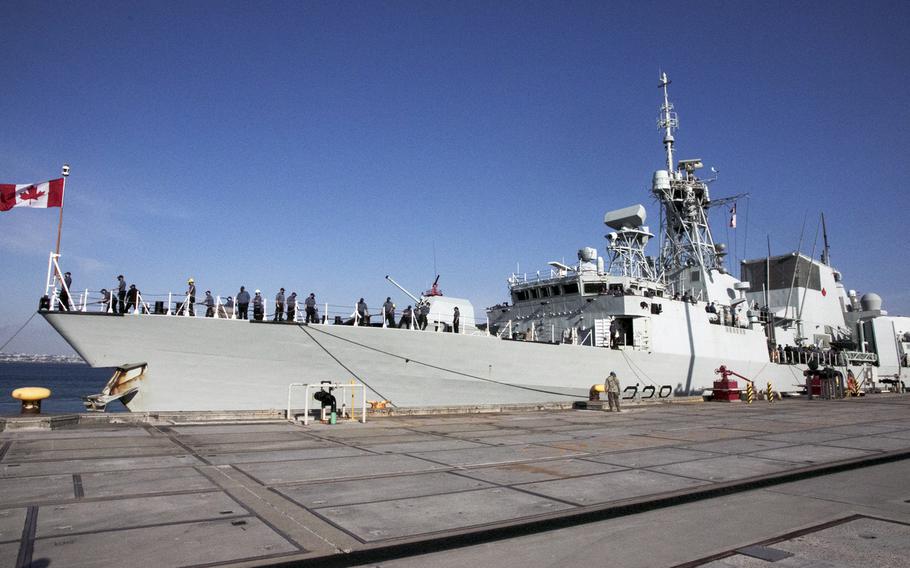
(66, 173)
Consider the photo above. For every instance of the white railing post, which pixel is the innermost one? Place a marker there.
(290, 386)
(48, 283)
(85, 301)
(63, 285)
(217, 307)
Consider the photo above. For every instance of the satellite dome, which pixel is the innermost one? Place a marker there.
(871, 302)
(587, 254)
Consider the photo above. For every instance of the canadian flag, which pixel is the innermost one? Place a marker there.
(733, 217)
(39, 195)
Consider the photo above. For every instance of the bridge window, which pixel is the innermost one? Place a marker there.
(594, 287)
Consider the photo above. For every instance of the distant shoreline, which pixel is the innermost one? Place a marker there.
(36, 358)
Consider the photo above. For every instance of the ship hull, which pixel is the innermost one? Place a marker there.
(198, 364)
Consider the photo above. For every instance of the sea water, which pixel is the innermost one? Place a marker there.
(68, 383)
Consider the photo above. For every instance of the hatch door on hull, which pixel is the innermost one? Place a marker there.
(641, 334)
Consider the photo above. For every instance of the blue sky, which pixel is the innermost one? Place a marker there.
(321, 146)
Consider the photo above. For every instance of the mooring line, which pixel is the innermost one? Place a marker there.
(438, 368)
(17, 331)
(343, 366)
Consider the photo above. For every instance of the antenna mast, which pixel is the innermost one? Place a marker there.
(667, 120)
(684, 198)
(826, 253)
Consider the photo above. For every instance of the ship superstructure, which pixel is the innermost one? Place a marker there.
(664, 323)
(689, 267)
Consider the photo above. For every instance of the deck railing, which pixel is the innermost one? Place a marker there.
(178, 305)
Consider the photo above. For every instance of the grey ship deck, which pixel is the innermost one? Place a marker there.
(259, 493)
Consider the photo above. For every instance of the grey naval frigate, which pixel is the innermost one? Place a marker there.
(664, 323)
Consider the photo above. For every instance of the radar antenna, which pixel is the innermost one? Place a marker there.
(626, 244)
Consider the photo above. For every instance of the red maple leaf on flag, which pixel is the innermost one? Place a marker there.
(29, 193)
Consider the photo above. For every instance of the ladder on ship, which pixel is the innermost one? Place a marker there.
(602, 332)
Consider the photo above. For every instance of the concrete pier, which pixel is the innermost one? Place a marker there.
(166, 493)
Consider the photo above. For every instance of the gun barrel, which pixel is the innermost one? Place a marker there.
(400, 287)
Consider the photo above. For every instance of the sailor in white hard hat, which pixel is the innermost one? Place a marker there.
(191, 293)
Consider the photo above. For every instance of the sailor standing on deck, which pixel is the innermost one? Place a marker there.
(64, 292)
(363, 312)
(614, 334)
(310, 305)
(209, 303)
(388, 310)
(243, 304)
(106, 298)
(257, 306)
(406, 318)
(613, 391)
(121, 295)
(132, 298)
(227, 310)
(456, 317)
(279, 305)
(422, 315)
(191, 292)
(292, 306)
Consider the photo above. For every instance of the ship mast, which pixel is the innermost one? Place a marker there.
(826, 254)
(685, 200)
(667, 120)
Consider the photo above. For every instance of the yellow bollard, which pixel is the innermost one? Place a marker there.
(31, 398)
(770, 393)
(750, 392)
